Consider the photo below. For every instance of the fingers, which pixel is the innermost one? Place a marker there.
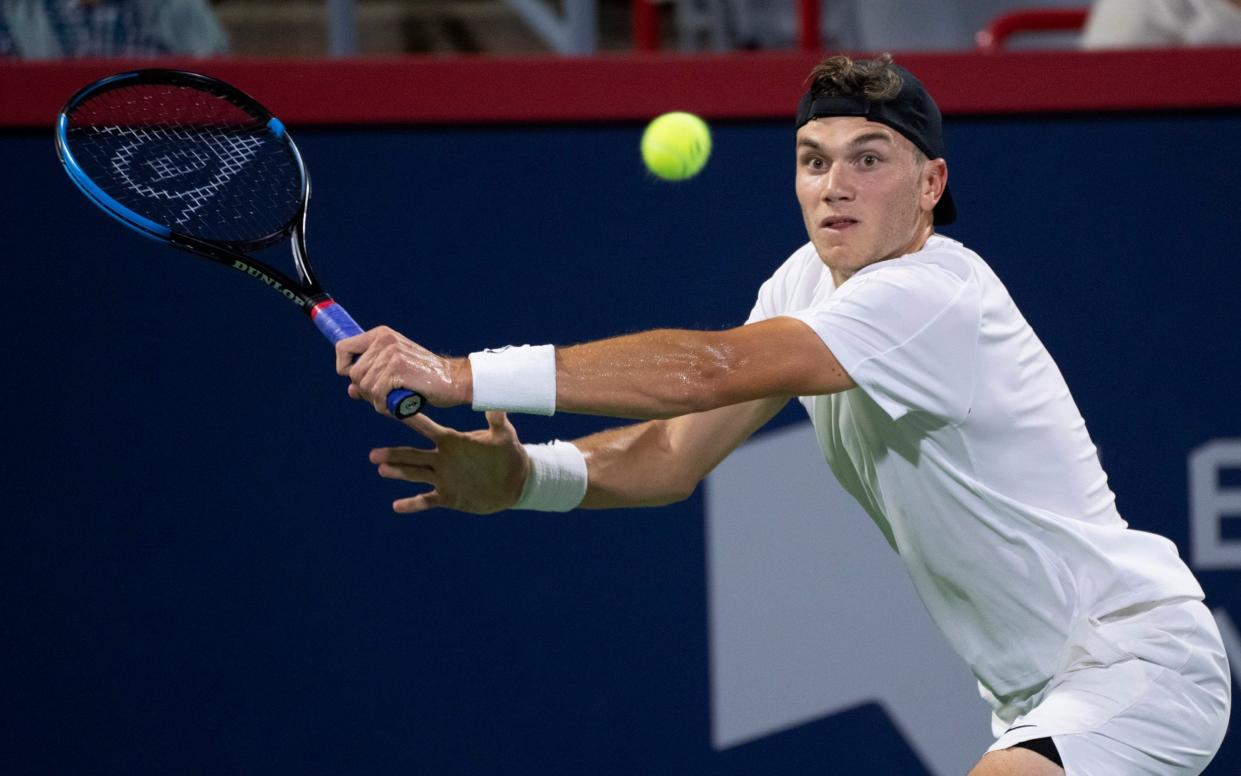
(501, 428)
(497, 421)
(351, 347)
(410, 465)
(461, 468)
(371, 361)
(367, 374)
(405, 463)
(378, 402)
(344, 356)
(427, 427)
(419, 503)
(353, 360)
(423, 474)
(403, 456)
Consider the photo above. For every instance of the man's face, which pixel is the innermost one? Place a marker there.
(865, 193)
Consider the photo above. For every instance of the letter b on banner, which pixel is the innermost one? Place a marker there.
(1211, 503)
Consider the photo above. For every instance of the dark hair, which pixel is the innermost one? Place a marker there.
(875, 79)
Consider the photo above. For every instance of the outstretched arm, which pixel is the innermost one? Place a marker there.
(655, 374)
(646, 464)
(668, 372)
(662, 461)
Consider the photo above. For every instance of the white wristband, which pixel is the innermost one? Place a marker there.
(557, 481)
(515, 379)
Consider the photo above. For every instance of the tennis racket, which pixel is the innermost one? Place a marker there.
(191, 161)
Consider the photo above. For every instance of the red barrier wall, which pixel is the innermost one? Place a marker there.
(416, 90)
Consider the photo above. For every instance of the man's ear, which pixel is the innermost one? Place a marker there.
(934, 182)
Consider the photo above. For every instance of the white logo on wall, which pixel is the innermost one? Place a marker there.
(811, 613)
(1210, 504)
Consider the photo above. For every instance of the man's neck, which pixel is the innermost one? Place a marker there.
(840, 276)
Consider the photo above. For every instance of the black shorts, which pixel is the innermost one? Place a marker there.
(1045, 747)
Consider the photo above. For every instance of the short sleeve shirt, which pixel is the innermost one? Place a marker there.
(964, 445)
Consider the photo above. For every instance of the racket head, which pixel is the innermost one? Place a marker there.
(170, 154)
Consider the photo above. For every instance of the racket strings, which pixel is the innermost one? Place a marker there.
(190, 160)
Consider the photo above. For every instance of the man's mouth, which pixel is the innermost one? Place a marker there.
(837, 223)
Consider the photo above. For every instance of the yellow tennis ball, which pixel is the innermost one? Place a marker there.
(675, 146)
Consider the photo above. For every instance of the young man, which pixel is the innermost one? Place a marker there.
(935, 405)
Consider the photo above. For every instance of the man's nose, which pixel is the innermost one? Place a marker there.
(837, 184)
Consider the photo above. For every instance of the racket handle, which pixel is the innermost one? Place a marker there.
(336, 324)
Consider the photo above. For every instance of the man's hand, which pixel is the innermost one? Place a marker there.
(474, 471)
(381, 360)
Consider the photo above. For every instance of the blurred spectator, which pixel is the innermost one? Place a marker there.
(50, 29)
(1152, 23)
(857, 25)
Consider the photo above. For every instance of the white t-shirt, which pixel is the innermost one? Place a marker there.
(964, 446)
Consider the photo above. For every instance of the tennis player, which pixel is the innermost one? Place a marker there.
(935, 405)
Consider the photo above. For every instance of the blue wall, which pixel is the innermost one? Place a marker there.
(201, 571)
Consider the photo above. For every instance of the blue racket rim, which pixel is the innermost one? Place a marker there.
(204, 83)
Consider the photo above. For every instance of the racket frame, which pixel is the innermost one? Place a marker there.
(305, 292)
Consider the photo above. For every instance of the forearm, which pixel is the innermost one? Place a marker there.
(668, 373)
(634, 466)
(655, 374)
(660, 374)
(662, 461)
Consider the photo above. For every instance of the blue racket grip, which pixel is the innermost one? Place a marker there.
(336, 324)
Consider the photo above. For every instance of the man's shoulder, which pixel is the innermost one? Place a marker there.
(948, 255)
(791, 286)
(804, 257)
(941, 260)
(802, 265)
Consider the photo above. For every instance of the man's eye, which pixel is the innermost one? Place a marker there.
(814, 163)
(870, 160)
